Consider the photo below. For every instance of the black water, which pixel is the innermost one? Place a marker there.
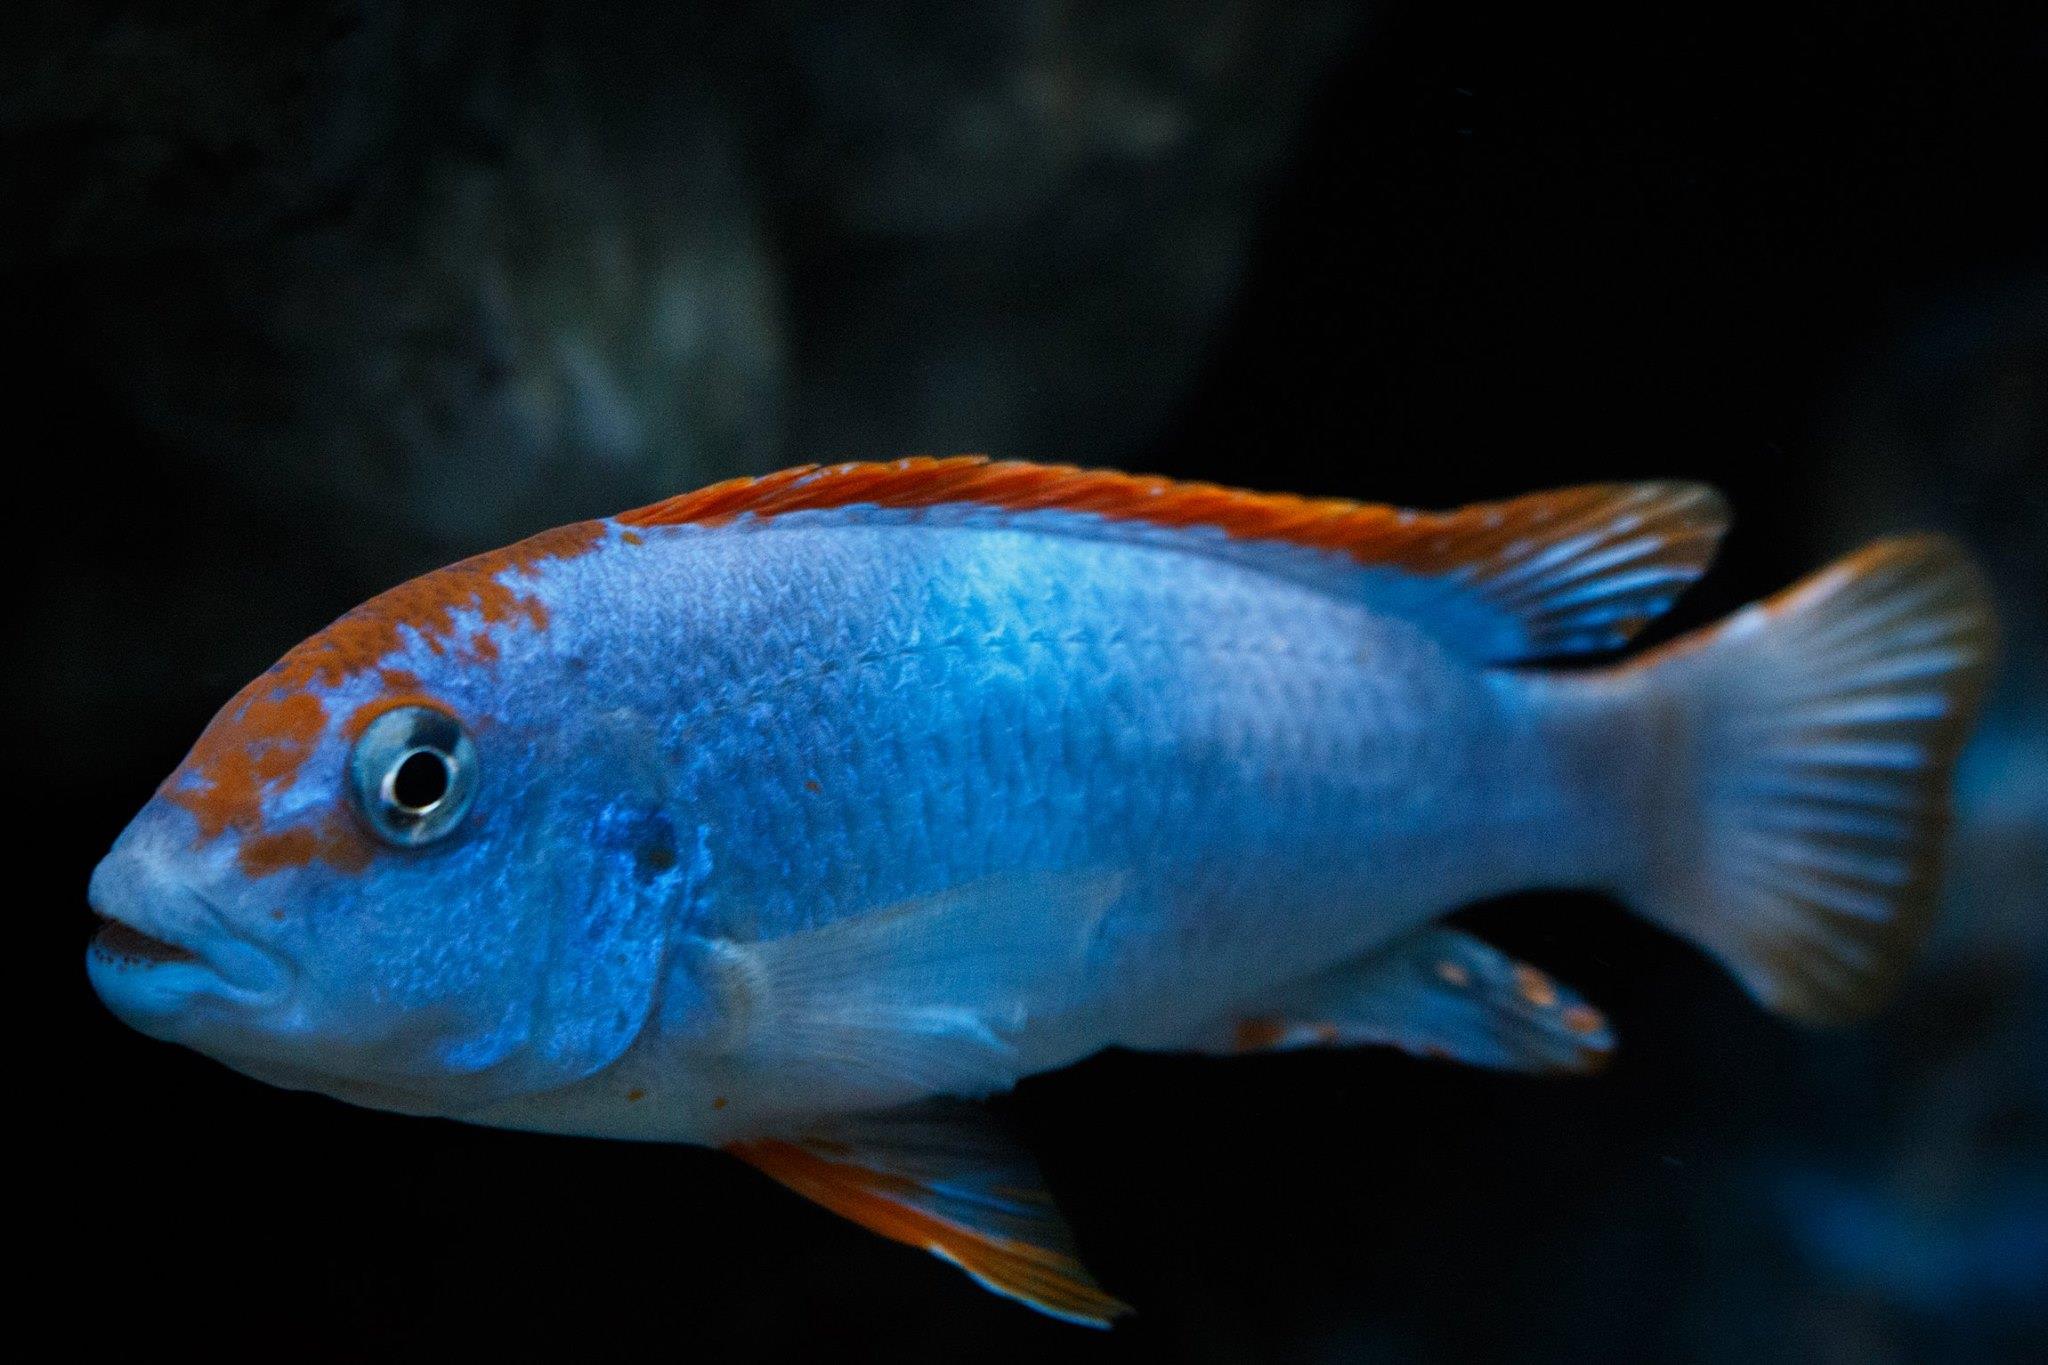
(304, 302)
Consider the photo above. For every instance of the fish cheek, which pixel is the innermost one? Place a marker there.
(618, 866)
(434, 942)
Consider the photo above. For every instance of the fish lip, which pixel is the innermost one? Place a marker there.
(121, 943)
(153, 972)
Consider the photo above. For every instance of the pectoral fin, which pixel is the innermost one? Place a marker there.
(943, 1178)
(1435, 993)
(925, 997)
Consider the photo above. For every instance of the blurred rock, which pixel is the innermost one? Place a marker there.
(561, 307)
(129, 128)
(441, 276)
(1033, 188)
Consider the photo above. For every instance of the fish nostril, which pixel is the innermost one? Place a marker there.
(114, 885)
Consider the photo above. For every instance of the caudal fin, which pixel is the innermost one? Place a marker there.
(1817, 735)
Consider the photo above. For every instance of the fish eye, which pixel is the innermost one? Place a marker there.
(412, 773)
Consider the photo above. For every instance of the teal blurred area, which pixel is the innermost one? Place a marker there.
(305, 299)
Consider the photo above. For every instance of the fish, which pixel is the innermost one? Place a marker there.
(798, 815)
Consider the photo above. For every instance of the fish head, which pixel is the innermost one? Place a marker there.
(406, 873)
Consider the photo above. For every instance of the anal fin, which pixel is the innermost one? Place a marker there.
(942, 1178)
(1435, 993)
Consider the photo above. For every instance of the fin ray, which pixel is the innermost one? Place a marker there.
(1436, 993)
(941, 1178)
(1822, 728)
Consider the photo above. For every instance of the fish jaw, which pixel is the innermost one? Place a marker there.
(165, 961)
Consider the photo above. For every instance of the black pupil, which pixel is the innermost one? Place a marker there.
(421, 780)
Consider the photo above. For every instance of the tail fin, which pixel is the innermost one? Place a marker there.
(1819, 733)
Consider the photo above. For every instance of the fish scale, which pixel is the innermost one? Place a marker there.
(1272, 747)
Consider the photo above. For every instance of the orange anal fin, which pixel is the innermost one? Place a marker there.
(1008, 1238)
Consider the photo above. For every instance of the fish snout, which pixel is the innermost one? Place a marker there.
(163, 946)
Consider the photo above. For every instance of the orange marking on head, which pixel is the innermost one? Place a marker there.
(273, 733)
(1453, 973)
(334, 840)
(266, 732)
(718, 1101)
(1536, 988)
(812, 785)
(1259, 1033)
(484, 648)
(635, 1095)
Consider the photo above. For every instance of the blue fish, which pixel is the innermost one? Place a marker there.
(796, 814)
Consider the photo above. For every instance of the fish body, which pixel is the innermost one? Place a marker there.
(776, 815)
(1227, 783)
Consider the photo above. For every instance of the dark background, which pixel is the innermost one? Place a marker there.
(303, 299)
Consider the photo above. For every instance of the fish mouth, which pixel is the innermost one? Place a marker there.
(166, 959)
(119, 943)
(167, 989)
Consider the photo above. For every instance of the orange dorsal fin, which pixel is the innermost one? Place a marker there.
(939, 1180)
(1548, 573)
